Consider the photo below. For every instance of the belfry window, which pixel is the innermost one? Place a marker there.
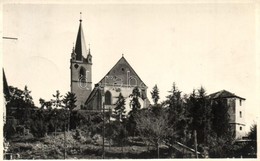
(108, 98)
(82, 72)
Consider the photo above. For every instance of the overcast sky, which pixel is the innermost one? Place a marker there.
(213, 45)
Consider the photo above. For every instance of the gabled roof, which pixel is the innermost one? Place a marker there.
(123, 72)
(224, 94)
(80, 46)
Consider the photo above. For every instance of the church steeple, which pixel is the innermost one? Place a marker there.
(81, 69)
(80, 46)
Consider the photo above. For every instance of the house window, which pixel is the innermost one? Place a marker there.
(240, 114)
(240, 128)
(108, 98)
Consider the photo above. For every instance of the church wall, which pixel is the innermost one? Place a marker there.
(126, 91)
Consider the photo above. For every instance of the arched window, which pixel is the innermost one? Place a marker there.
(82, 72)
(108, 98)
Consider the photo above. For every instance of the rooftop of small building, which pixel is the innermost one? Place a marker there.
(224, 94)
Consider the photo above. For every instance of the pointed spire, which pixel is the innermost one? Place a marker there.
(89, 49)
(80, 20)
(80, 46)
(73, 49)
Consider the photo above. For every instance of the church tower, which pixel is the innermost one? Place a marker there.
(80, 68)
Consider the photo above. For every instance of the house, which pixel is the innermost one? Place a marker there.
(236, 110)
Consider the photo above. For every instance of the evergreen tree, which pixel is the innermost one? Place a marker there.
(119, 110)
(200, 112)
(134, 103)
(135, 106)
(178, 120)
(70, 103)
(221, 118)
(155, 94)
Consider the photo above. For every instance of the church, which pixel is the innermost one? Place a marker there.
(122, 78)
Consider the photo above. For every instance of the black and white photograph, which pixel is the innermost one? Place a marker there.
(130, 79)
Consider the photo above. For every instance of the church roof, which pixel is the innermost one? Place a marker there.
(80, 46)
(224, 94)
(122, 72)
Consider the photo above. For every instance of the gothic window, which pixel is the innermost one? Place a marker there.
(108, 98)
(240, 114)
(240, 128)
(82, 72)
(240, 102)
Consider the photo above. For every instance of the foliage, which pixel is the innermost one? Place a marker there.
(177, 116)
(38, 125)
(10, 127)
(155, 94)
(57, 101)
(220, 119)
(152, 126)
(70, 101)
(253, 131)
(45, 104)
(200, 113)
(19, 104)
(134, 103)
(248, 149)
(119, 110)
(69, 104)
(135, 106)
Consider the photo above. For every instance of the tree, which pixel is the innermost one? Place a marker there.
(70, 103)
(22, 102)
(252, 134)
(135, 106)
(134, 103)
(155, 94)
(45, 104)
(10, 127)
(178, 120)
(38, 126)
(220, 117)
(57, 101)
(152, 127)
(119, 110)
(200, 113)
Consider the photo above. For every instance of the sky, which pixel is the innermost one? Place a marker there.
(192, 44)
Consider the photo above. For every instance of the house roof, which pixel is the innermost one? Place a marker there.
(224, 94)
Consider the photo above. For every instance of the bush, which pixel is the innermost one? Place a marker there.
(38, 128)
